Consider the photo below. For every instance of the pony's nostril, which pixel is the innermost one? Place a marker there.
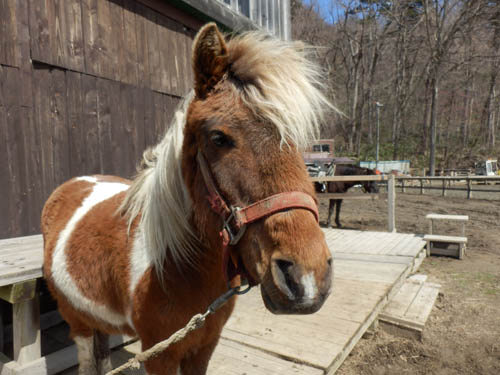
(329, 262)
(285, 266)
(284, 277)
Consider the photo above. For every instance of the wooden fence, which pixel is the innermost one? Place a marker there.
(446, 183)
(391, 193)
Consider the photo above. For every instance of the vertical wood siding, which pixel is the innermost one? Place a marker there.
(85, 87)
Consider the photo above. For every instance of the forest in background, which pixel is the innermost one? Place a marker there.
(433, 65)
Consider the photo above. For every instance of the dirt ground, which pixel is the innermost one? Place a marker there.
(462, 335)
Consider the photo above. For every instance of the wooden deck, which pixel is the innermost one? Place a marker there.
(369, 267)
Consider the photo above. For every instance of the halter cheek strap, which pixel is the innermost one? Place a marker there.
(236, 219)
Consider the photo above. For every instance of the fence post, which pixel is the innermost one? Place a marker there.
(444, 188)
(391, 204)
(403, 185)
(421, 186)
(469, 192)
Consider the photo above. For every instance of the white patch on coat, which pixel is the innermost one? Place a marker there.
(140, 261)
(86, 359)
(62, 279)
(87, 178)
(310, 289)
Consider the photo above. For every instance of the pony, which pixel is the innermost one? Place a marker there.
(344, 186)
(223, 197)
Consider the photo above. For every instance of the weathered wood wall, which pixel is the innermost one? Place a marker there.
(85, 87)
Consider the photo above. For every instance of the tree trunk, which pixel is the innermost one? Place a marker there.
(433, 125)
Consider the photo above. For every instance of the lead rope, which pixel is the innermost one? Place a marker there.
(196, 322)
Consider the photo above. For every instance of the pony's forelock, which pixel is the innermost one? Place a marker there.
(280, 82)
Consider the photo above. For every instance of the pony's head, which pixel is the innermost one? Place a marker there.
(256, 104)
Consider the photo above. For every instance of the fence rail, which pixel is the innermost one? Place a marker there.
(391, 193)
(446, 183)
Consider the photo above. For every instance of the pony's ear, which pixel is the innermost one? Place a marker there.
(210, 59)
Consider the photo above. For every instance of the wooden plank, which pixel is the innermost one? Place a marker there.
(184, 60)
(105, 44)
(167, 54)
(115, 42)
(447, 217)
(154, 50)
(12, 156)
(42, 120)
(36, 238)
(150, 137)
(351, 178)
(59, 129)
(104, 124)
(39, 31)
(69, 51)
(130, 130)
(367, 271)
(421, 307)
(119, 137)
(129, 46)
(90, 126)
(142, 39)
(18, 292)
(9, 47)
(26, 330)
(82, 124)
(23, 45)
(90, 32)
(440, 238)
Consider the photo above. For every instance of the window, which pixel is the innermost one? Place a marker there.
(325, 148)
(316, 148)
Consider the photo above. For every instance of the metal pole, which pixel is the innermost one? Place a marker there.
(378, 105)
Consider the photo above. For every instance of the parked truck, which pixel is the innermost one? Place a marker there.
(487, 168)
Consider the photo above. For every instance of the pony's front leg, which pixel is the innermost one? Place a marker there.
(167, 362)
(93, 354)
(197, 363)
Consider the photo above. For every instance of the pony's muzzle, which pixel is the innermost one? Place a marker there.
(296, 291)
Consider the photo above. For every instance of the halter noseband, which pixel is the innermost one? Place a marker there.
(236, 219)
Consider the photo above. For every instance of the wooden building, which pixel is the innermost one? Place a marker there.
(87, 85)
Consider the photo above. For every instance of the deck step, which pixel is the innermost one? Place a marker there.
(440, 238)
(407, 313)
(447, 217)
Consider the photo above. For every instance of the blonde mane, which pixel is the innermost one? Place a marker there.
(280, 84)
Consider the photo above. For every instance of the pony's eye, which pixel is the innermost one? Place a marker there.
(220, 139)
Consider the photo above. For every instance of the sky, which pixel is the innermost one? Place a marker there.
(324, 8)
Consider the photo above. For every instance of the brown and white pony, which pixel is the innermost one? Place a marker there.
(142, 257)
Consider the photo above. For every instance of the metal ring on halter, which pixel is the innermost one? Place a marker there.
(234, 238)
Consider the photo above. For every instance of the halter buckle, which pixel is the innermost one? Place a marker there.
(234, 238)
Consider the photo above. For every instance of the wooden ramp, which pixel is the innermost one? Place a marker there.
(407, 313)
(369, 267)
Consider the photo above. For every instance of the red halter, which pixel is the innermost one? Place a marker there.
(236, 219)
